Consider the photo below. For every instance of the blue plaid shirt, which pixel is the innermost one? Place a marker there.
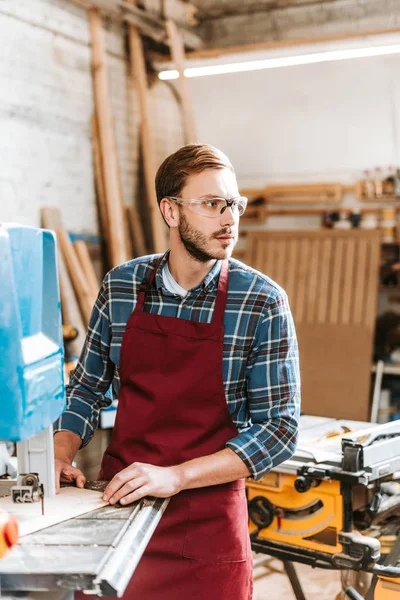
(260, 359)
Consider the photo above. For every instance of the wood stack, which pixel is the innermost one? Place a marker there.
(79, 285)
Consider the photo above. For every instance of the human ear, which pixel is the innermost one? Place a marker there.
(170, 212)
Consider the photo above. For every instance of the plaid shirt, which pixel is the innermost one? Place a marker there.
(260, 358)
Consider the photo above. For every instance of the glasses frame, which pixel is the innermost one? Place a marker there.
(228, 203)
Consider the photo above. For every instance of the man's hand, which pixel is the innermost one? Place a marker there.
(66, 445)
(64, 471)
(139, 480)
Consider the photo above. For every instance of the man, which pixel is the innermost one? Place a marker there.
(202, 354)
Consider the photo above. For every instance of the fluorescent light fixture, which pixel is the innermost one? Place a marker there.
(284, 61)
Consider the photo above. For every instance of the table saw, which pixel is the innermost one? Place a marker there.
(334, 502)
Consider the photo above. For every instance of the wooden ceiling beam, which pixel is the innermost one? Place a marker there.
(273, 45)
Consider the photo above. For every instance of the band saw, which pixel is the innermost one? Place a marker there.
(96, 551)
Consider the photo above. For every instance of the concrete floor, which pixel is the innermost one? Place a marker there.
(317, 584)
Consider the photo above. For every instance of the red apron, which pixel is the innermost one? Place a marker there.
(172, 408)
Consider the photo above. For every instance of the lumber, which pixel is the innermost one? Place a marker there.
(83, 255)
(138, 72)
(114, 201)
(76, 273)
(99, 179)
(178, 57)
(51, 218)
(71, 313)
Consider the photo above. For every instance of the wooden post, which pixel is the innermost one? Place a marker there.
(178, 57)
(140, 79)
(114, 201)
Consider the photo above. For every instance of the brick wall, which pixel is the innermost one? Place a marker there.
(46, 103)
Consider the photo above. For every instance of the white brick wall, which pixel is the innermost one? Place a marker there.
(46, 104)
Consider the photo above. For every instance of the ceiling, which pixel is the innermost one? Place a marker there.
(214, 9)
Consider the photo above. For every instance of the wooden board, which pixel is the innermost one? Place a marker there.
(52, 219)
(71, 313)
(139, 76)
(331, 278)
(70, 502)
(178, 57)
(110, 166)
(304, 193)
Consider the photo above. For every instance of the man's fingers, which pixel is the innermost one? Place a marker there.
(136, 495)
(57, 478)
(80, 481)
(117, 482)
(127, 489)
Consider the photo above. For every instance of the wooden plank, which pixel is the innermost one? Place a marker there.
(178, 57)
(313, 283)
(99, 178)
(326, 265)
(52, 218)
(136, 231)
(338, 249)
(291, 269)
(347, 282)
(304, 192)
(139, 75)
(114, 201)
(360, 283)
(70, 502)
(291, 43)
(76, 274)
(301, 292)
(373, 271)
(71, 312)
(83, 255)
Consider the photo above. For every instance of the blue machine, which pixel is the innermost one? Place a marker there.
(31, 350)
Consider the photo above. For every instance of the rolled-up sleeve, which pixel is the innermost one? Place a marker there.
(92, 377)
(273, 392)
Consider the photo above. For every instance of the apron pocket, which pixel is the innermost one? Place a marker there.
(217, 525)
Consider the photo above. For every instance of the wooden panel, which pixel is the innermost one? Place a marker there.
(331, 278)
(304, 193)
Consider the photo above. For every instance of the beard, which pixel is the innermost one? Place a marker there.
(197, 243)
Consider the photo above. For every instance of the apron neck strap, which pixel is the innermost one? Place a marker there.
(222, 293)
(145, 285)
(220, 303)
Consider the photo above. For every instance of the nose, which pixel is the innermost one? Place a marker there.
(228, 218)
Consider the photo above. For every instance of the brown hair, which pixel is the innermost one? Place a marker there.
(188, 160)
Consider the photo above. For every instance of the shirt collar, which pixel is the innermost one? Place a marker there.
(209, 282)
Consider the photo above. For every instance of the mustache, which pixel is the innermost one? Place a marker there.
(226, 231)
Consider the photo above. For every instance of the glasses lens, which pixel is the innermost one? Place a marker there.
(241, 205)
(209, 208)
